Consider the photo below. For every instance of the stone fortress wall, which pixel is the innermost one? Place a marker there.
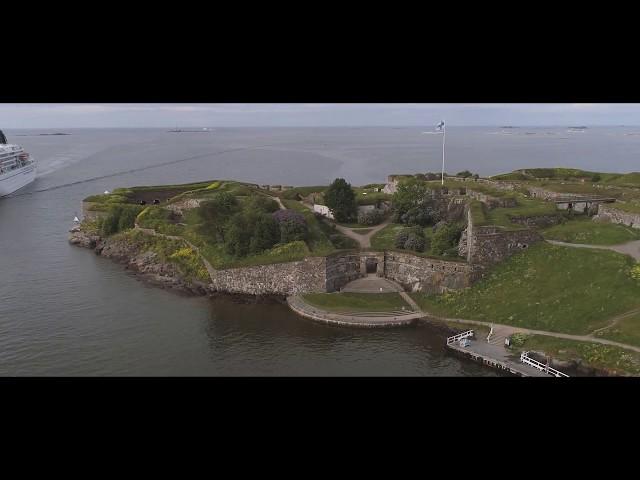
(611, 214)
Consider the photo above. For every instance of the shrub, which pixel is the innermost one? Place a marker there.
(445, 238)
(370, 217)
(291, 231)
(401, 238)
(420, 215)
(596, 178)
(414, 242)
(119, 218)
(237, 236)
(265, 234)
(215, 213)
(259, 203)
(635, 272)
(289, 215)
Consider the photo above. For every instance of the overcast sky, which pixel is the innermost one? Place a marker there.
(58, 115)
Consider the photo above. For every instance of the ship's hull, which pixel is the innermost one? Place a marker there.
(16, 179)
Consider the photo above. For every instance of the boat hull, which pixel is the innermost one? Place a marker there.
(17, 179)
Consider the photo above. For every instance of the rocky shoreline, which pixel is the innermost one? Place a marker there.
(147, 267)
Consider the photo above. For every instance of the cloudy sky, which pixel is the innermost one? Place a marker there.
(14, 116)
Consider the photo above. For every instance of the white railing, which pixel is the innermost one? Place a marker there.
(525, 358)
(460, 336)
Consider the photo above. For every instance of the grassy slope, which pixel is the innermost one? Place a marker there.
(584, 230)
(528, 207)
(549, 288)
(357, 302)
(609, 357)
(626, 330)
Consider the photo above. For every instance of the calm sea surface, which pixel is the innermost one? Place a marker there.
(66, 311)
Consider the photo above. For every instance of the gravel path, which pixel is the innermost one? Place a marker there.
(630, 248)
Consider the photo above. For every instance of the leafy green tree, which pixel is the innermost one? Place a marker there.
(237, 235)
(341, 199)
(596, 178)
(464, 174)
(411, 192)
(265, 234)
(216, 212)
(445, 239)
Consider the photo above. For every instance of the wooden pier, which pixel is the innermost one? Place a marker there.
(495, 356)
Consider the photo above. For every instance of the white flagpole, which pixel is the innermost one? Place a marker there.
(444, 134)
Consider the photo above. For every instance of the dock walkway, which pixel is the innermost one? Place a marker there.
(495, 356)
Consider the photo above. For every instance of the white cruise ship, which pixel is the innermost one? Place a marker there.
(17, 167)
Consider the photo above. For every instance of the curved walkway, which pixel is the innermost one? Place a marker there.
(630, 248)
(361, 319)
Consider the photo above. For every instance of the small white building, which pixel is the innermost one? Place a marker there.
(323, 210)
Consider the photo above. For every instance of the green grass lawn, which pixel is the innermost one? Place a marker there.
(609, 357)
(631, 207)
(526, 207)
(584, 230)
(546, 287)
(357, 302)
(383, 240)
(626, 330)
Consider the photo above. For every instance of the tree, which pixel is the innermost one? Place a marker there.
(445, 239)
(413, 203)
(237, 235)
(265, 234)
(341, 199)
(596, 178)
(464, 174)
(216, 212)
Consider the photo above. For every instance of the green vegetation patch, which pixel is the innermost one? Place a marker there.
(385, 239)
(608, 357)
(626, 330)
(631, 207)
(293, 193)
(586, 231)
(546, 287)
(526, 207)
(357, 302)
(186, 259)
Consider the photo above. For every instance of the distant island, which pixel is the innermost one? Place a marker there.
(39, 134)
(180, 130)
